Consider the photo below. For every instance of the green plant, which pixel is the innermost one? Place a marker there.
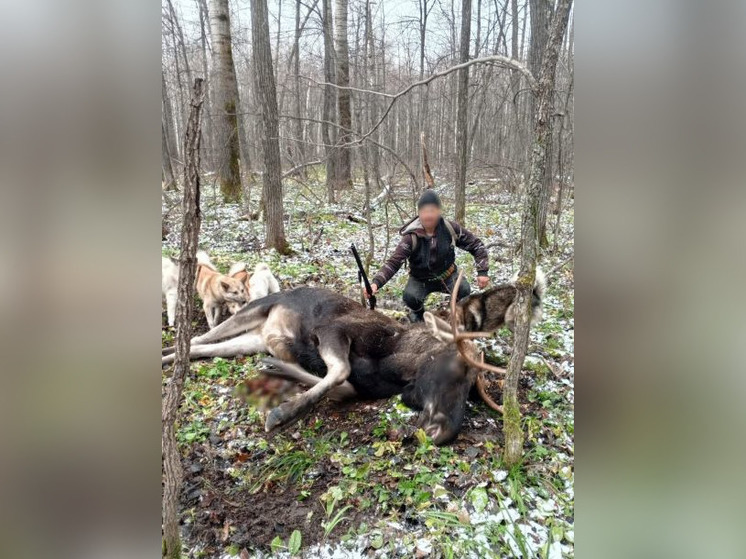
(285, 465)
(332, 522)
(294, 542)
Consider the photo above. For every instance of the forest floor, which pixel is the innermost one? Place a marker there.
(356, 480)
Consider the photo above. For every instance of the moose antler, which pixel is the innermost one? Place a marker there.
(460, 338)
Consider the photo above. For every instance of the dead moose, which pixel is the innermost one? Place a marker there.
(360, 353)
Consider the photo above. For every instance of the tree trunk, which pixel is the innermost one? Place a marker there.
(541, 13)
(267, 96)
(168, 118)
(328, 135)
(462, 124)
(208, 148)
(343, 174)
(225, 96)
(169, 181)
(299, 145)
(530, 234)
(187, 271)
(371, 73)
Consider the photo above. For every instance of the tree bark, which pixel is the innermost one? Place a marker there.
(343, 175)
(208, 149)
(267, 96)
(187, 271)
(327, 134)
(225, 96)
(530, 234)
(541, 13)
(168, 172)
(299, 146)
(168, 118)
(462, 124)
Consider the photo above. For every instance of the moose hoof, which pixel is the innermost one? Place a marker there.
(275, 418)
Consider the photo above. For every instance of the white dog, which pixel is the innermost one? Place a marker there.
(169, 286)
(259, 284)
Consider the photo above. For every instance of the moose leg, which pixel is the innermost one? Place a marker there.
(247, 344)
(334, 348)
(243, 321)
(296, 373)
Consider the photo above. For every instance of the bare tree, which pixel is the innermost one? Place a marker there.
(187, 269)
(208, 149)
(343, 170)
(167, 169)
(267, 96)
(327, 134)
(530, 232)
(297, 106)
(225, 97)
(168, 119)
(541, 15)
(462, 123)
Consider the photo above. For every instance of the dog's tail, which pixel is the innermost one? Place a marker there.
(261, 267)
(540, 284)
(204, 260)
(237, 267)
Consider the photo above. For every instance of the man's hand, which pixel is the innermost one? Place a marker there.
(373, 288)
(482, 281)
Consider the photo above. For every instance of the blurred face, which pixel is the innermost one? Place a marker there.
(429, 216)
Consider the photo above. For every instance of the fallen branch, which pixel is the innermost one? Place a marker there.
(297, 168)
(549, 366)
(557, 268)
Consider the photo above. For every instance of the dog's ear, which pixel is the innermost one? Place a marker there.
(439, 327)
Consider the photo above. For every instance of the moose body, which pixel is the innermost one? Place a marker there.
(340, 349)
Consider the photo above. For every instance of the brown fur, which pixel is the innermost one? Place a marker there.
(244, 277)
(216, 290)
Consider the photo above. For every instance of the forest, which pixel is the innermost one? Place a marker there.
(293, 129)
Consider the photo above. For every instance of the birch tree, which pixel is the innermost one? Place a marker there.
(225, 103)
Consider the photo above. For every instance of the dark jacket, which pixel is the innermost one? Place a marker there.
(432, 255)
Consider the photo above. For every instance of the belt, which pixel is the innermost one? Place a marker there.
(445, 275)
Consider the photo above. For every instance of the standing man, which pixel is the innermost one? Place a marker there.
(428, 243)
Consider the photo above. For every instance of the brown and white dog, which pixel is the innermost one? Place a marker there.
(216, 289)
(258, 284)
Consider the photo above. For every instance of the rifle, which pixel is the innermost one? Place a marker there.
(362, 275)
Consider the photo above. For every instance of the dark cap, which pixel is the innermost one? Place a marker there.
(428, 197)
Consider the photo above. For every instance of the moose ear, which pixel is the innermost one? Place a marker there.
(439, 327)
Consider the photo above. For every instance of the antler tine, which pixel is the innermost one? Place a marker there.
(461, 337)
(473, 335)
(454, 327)
(482, 389)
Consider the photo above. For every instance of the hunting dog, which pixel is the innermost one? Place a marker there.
(217, 290)
(258, 284)
(169, 285)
